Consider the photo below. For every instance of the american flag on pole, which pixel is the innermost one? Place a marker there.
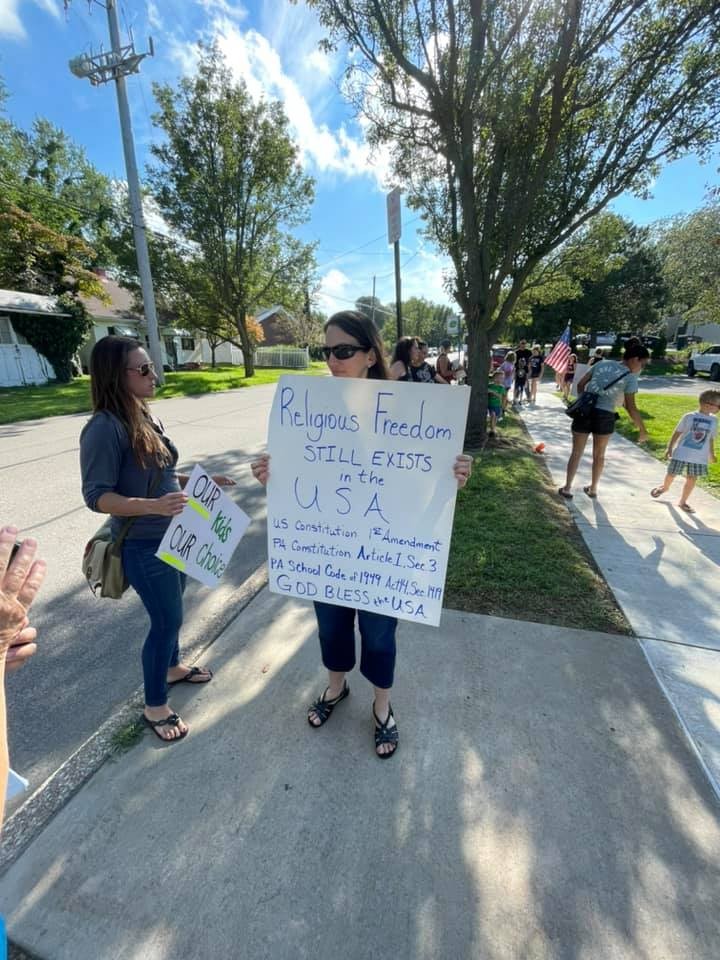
(558, 356)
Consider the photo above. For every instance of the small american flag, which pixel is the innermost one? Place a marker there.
(558, 356)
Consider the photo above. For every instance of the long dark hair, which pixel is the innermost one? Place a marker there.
(403, 350)
(362, 329)
(108, 384)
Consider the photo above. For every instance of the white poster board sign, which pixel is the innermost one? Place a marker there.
(361, 494)
(201, 540)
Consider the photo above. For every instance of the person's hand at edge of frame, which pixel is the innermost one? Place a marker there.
(21, 577)
(261, 468)
(462, 468)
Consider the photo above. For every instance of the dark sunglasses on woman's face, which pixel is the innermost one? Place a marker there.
(144, 369)
(421, 344)
(343, 351)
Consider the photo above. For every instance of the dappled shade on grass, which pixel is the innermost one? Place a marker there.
(515, 550)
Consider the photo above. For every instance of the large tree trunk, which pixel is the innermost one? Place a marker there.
(247, 349)
(478, 367)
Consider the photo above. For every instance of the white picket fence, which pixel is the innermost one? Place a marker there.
(294, 358)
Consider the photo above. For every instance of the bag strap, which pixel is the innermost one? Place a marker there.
(131, 520)
(613, 382)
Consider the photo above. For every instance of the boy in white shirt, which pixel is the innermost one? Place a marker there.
(692, 447)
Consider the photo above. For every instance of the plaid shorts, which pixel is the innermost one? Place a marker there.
(682, 468)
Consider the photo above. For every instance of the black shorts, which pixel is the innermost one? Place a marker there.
(601, 423)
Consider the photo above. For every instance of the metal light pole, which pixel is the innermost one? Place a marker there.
(116, 65)
(394, 233)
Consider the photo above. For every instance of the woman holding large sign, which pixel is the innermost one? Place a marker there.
(353, 349)
(128, 470)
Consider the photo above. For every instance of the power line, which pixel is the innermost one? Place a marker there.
(362, 246)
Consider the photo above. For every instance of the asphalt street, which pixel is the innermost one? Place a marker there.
(676, 384)
(89, 657)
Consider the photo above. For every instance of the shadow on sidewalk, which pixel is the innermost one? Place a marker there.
(543, 806)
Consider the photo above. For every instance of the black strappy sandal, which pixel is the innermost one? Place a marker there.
(322, 708)
(190, 677)
(172, 721)
(386, 734)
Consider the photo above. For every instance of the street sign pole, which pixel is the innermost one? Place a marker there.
(394, 233)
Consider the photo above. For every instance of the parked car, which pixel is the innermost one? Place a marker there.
(497, 355)
(706, 362)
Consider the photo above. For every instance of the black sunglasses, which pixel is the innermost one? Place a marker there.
(144, 369)
(343, 351)
(421, 344)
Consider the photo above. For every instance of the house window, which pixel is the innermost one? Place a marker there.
(187, 343)
(5, 334)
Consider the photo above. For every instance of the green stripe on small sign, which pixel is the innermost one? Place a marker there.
(198, 508)
(173, 561)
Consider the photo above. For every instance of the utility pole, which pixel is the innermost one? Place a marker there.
(115, 65)
(373, 302)
(394, 233)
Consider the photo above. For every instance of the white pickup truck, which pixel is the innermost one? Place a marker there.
(706, 362)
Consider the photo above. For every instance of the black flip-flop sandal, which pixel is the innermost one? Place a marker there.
(322, 708)
(193, 672)
(386, 734)
(172, 721)
(586, 491)
(565, 494)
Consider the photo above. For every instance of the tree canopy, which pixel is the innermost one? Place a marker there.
(228, 180)
(512, 123)
(690, 249)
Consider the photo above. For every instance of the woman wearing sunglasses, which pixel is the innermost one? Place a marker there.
(128, 470)
(353, 349)
(409, 365)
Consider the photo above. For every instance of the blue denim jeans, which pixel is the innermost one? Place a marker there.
(336, 629)
(160, 587)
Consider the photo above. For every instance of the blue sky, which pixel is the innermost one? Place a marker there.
(273, 45)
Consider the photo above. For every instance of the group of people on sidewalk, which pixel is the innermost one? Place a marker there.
(128, 465)
(521, 371)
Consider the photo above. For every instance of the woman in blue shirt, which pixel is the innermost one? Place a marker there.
(128, 470)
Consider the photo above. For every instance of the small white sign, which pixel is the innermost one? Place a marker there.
(361, 494)
(201, 540)
(393, 216)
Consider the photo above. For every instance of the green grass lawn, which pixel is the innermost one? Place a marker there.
(53, 399)
(660, 415)
(516, 551)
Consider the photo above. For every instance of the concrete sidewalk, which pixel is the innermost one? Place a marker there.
(661, 564)
(544, 805)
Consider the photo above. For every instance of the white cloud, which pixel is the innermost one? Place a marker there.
(253, 58)
(334, 294)
(225, 8)
(155, 21)
(10, 23)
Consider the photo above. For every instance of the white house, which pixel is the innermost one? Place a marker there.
(120, 317)
(21, 364)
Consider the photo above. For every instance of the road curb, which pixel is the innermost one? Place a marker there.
(35, 813)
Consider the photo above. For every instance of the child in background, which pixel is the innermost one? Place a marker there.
(692, 447)
(496, 400)
(507, 368)
(569, 376)
(521, 379)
